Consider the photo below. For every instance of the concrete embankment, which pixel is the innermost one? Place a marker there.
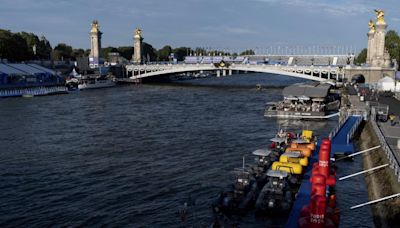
(380, 183)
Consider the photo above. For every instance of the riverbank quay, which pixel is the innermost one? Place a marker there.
(355, 110)
(382, 182)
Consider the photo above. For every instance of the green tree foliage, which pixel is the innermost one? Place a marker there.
(42, 45)
(164, 53)
(77, 53)
(392, 43)
(13, 47)
(125, 52)
(62, 52)
(361, 57)
(148, 52)
(105, 51)
(248, 52)
(18, 47)
(181, 52)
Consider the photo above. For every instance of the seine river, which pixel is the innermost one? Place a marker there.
(133, 155)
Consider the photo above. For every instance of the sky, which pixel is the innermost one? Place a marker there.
(233, 24)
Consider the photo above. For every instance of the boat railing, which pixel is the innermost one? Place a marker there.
(393, 160)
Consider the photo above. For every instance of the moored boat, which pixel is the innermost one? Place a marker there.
(276, 196)
(95, 83)
(238, 197)
(306, 101)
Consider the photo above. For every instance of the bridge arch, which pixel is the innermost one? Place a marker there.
(309, 73)
(358, 78)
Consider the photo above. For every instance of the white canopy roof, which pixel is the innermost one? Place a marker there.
(278, 140)
(262, 152)
(277, 173)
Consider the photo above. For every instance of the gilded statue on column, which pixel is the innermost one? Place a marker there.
(95, 26)
(371, 26)
(380, 16)
(138, 32)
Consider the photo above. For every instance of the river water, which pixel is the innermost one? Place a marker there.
(132, 155)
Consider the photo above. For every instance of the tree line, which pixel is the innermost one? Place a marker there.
(23, 46)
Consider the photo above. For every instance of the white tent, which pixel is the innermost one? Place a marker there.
(386, 84)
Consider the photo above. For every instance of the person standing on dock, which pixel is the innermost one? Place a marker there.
(392, 119)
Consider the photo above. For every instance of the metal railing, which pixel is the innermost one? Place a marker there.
(393, 161)
(363, 112)
(343, 116)
(354, 129)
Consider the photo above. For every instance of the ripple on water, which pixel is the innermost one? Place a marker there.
(131, 156)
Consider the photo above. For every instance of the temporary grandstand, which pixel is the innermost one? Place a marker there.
(19, 75)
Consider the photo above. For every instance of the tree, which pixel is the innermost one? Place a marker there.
(21, 51)
(361, 57)
(148, 52)
(392, 44)
(125, 52)
(248, 52)
(77, 53)
(6, 41)
(105, 51)
(181, 52)
(164, 53)
(14, 47)
(62, 52)
(42, 46)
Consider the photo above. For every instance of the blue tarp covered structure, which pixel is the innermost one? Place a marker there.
(22, 75)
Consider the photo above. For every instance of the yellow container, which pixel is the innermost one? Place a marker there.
(288, 167)
(303, 161)
(306, 134)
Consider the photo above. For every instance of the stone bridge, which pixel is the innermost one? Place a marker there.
(315, 73)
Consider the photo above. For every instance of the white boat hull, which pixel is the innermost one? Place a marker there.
(96, 85)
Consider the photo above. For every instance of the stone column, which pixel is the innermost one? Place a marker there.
(371, 47)
(95, 44)
(378, 59)
(137, 45)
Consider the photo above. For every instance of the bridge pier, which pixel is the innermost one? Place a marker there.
(223, 72)
(218, 73)
(230, 72)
